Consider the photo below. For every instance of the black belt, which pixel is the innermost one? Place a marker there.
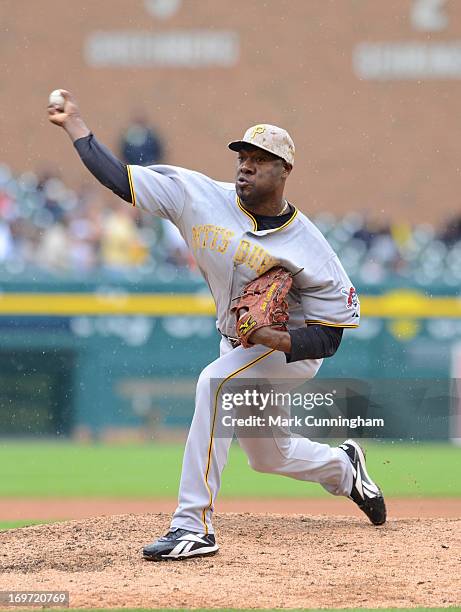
(235, 342)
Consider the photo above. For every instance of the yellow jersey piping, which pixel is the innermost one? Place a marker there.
(277, 229)
(248, 214)
(255, 223)
(130, 180)
(313, 321)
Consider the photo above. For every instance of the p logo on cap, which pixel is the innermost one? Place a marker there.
(258, 129)
(270, 138)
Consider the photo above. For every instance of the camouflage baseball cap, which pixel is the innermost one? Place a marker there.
(270, 138)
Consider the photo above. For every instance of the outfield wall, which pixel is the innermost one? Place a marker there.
(370, 91)
(99, 358)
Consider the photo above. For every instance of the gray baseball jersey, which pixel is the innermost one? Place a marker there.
(230, 251)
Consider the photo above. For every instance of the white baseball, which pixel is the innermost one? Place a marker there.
(56, 99)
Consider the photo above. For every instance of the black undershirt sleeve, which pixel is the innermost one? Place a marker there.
(314, 342)
(103, 165)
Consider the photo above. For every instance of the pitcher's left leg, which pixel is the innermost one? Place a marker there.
(290, 455)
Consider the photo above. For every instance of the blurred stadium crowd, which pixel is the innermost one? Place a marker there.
(50, 231)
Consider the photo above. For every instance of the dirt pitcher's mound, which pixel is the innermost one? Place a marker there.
(265, 561)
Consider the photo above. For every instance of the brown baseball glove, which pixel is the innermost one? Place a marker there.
(264, 304)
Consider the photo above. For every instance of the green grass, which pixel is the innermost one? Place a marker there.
(13, 524)
(150, 471)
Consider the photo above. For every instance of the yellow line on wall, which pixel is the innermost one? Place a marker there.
(406, 303)
(396, 304)
(70, 304)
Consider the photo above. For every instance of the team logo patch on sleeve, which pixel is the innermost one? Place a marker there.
(352, 300)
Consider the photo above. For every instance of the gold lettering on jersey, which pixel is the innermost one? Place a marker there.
(211, 237)
(195, 237)
(242, 252)
(207, 230)
(214, 239)
(254, 256)
(266, 264)
(225, 241)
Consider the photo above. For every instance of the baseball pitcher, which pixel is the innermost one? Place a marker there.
(282, 300)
